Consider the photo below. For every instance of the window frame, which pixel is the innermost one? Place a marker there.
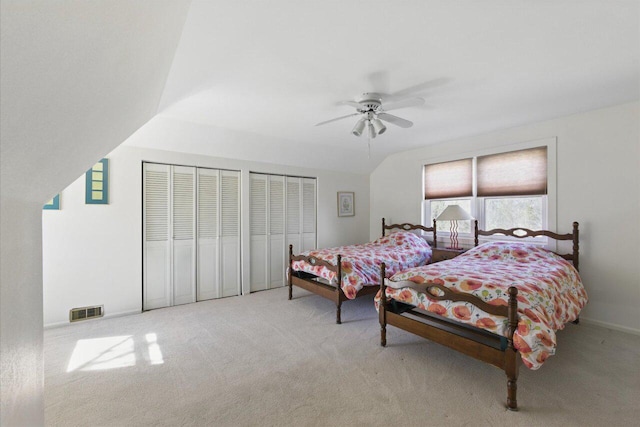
(549, 203)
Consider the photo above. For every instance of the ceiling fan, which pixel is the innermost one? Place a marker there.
(373, 112)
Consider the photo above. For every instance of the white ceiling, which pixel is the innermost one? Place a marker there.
(271, 70)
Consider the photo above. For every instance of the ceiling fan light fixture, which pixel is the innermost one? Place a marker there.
(359, 127)
(372, 130)
(379, 127)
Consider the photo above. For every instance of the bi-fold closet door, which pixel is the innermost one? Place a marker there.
(301, 214)
(218, 222)
(191, 234)
(282, 211)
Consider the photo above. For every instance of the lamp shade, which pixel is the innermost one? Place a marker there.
(453, 213)
(379, 127)
(359, 127)
(372, 131)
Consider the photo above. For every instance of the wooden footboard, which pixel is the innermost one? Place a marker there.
(472, 341)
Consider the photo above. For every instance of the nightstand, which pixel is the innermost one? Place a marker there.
(443, 254)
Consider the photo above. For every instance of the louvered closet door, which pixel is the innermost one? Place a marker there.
(258, 231)
(308, 214)
(184, 242)
(208, 221)
(156, 286)
(230, 232)
(293, 217)
(276, 215)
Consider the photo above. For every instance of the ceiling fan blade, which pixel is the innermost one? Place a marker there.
(395, 120)
(337, 118)
(354, 104)
(421, 87)
(411, 102)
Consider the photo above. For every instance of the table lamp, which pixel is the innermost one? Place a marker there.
(454, 213)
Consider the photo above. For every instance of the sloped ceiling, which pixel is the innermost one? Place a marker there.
(263, 73)
(77, 78)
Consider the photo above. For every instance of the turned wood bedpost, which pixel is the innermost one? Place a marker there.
(576, 246)
(339, 290)
(576, 255)
(383, 227)
(290, 272)
(475, 233)
(382, 307)
(511, 354)
(435, 240)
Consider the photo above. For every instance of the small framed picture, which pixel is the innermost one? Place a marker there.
(346, 203)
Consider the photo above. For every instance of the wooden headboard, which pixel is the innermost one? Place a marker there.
(524, 232)
(407, 227)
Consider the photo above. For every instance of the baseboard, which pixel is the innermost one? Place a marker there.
(56, 325)
(610, 326)
(117, 314)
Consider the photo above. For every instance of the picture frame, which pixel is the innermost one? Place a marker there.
(346, 203)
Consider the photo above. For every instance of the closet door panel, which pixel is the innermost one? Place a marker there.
(230, 232)
(258, 231)
(208, 220)
(156, 256)
(184, 242)
(276, 231)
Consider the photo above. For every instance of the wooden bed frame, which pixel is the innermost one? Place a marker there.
(472, 341)
(322, 287)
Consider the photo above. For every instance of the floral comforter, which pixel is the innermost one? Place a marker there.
(361, 263)
(550, 292)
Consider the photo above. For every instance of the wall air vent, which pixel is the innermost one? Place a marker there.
(84, 313)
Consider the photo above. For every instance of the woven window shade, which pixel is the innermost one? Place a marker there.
(449, 179)
(517, 173)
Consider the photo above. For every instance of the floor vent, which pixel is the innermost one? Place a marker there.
(84, 313)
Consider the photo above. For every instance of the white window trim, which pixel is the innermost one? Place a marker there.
(549, 201)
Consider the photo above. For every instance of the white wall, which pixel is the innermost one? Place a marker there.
(598, 185)
(92, 254)
(77, 78)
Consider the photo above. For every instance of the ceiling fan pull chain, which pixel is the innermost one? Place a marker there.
(369, 147)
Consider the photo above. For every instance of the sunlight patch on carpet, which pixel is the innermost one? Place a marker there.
(98, 354)
(155, 355)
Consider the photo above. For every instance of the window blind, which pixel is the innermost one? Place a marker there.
(448, 179)
(516, 173)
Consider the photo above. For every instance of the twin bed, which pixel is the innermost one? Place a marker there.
(348, 272)
(499, 302)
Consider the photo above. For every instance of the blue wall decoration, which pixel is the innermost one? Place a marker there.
(53, 204)
(97, 187)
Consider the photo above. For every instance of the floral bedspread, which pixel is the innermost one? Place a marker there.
(550, 292)
(361, 263)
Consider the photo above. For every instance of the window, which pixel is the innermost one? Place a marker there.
(503, 190)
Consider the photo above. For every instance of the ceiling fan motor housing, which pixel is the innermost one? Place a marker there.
(370, 102)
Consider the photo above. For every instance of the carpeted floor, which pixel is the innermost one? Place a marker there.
(263, 360)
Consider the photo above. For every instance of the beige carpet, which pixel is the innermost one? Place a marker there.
(263, 360)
